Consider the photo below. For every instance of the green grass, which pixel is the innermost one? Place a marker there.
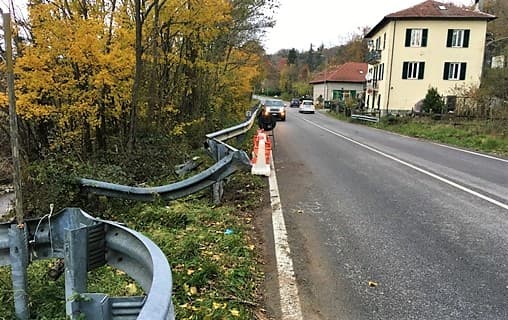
(215, 274)
(484, 136)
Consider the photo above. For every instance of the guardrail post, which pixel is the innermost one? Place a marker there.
(18, 244)
(76, 267)
(218, 188)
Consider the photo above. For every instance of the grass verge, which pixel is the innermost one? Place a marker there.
(212, 250)
(483, 136)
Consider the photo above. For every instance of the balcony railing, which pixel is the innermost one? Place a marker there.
(372, 85)
(373, 57)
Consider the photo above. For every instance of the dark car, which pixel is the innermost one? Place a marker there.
(276, 108)
(295, 103)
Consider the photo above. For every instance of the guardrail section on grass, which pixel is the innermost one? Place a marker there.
(86, 243)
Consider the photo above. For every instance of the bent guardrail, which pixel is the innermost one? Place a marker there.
(86, 243)
(228, 160)
(223, 168)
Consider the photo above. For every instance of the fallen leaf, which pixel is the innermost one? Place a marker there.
(132, 289)
(373, 284)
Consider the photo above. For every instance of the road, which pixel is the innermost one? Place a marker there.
(382, 226)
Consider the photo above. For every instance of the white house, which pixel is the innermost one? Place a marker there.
(431, 44)
(341, 82)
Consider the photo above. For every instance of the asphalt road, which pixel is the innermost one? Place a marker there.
(387, 227)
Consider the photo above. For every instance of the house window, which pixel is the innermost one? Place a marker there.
(416, 37)
(381, 71)
(378, 43)
(413, 70)
(338, 95)
(454, 71)
(384, 40)
(457, 38)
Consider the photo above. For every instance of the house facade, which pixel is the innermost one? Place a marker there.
(432, 44)
(340, 83)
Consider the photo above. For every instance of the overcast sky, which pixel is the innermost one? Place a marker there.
(330, 22)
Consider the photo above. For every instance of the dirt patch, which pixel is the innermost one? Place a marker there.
(270, 291)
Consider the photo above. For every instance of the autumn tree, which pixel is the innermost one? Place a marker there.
(91, 70)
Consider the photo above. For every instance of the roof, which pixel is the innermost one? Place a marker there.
(432, 10)
(348, 72)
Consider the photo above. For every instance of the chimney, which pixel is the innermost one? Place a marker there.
(478, 5)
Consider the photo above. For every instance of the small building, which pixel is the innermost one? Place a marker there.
(340, 82)
(431, 44)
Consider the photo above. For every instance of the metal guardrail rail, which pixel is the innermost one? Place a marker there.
(235, 131)
(86, 243)
(229, 160)
(365, 118)
(223, 168)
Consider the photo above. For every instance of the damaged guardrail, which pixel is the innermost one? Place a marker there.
(229, 160)
(86, 243)
(223, 168)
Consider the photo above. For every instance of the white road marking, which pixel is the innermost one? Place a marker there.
(451, 183)
(472, 152)
(289, 299)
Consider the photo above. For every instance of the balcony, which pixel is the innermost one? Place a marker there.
(372, 86)
(373, 57)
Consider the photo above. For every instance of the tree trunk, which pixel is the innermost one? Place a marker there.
(137, 77)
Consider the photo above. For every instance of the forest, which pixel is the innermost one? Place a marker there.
(116, 82)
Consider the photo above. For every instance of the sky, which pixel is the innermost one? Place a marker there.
(330, 22)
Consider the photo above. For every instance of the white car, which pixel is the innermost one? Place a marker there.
(307, 106)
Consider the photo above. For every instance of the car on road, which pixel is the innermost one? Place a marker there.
(295, 103)
(307, 106)
(275, 107)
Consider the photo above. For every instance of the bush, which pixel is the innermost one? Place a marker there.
(433, 102)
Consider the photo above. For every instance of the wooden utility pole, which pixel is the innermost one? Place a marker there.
(13, 120)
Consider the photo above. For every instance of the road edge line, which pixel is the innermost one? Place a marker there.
(288, 289)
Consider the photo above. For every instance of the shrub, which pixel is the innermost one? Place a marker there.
(433, 102)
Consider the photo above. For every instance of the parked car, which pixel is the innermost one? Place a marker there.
(295, 103)
(307, 106)
(275, 107)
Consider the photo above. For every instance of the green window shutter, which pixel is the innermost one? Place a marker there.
(425, 35)
(421, 70)
(463, 71)
(446, 70)
(353, 94)
(465, 44)
(405, 66)
(408, 37)
(449, 38)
